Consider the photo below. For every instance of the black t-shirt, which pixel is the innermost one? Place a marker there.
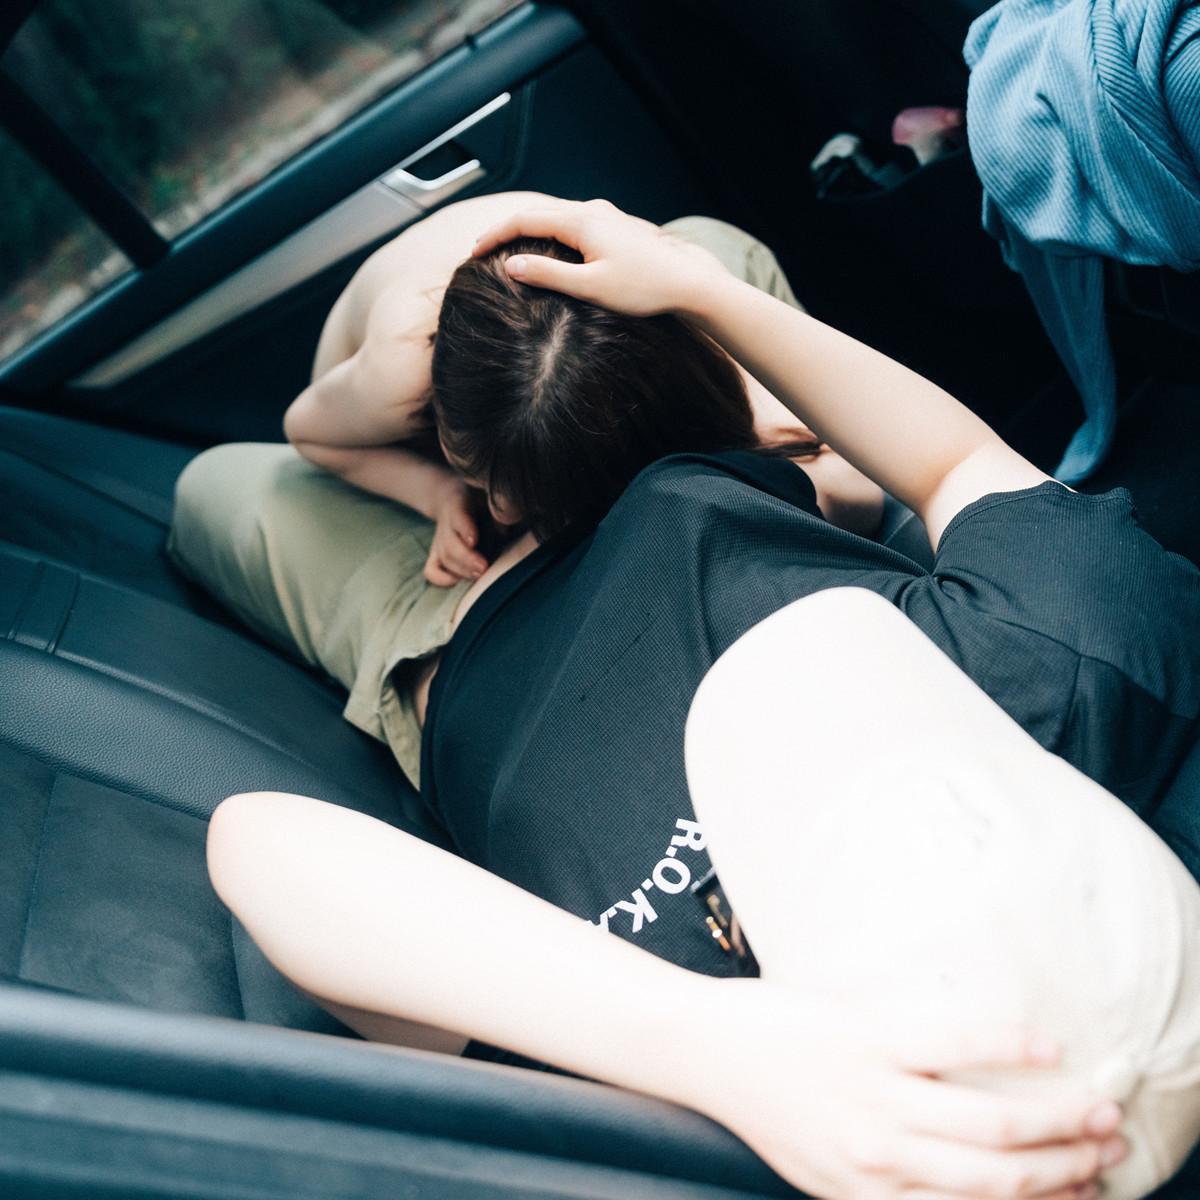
(553, 747)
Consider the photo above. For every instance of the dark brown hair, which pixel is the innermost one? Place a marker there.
(555, 404)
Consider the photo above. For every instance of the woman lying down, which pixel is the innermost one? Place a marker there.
(978, 967)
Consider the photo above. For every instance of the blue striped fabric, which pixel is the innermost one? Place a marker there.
(1084, 125)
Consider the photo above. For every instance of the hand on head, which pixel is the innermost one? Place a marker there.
(847, 1110)
(630, 265)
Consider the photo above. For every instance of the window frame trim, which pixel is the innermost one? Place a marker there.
(91, 189)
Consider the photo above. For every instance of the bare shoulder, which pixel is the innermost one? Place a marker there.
(424, 256)
(398, 289)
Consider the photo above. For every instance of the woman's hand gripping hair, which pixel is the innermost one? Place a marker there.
(899, 429)
(630, 265)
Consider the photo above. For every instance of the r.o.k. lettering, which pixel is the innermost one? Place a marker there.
(669, 875)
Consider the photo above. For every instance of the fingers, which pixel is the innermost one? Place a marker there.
(445, 570)
(985, 1118)
(559, 219)
(452, 557)
(973, 1049)
(459, 555)
(1060, 1170)
(976, 1142)
(538, 271)
(1064, 1140)
(1084, 1191)
(564, 221)
(629, 265)
(438, 575)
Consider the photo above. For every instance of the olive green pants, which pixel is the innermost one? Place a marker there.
(335, 574)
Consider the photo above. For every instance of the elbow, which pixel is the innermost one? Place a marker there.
(293, 420)
(300, 424)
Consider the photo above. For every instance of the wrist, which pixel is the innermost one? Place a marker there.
(693, 1043)
(721, 1060)
(651, 1026)
(703, 298)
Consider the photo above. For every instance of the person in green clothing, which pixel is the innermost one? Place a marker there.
(362, 552)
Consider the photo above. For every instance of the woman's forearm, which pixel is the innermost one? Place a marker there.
(878, 413)
(354, 404)
(905, 432)
(366, 916)
(392, 471)
(898, 428)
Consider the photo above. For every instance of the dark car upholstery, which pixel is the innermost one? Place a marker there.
(128, 713)
(128, 710)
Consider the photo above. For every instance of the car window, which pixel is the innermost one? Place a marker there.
(52, 256)
(183, 105)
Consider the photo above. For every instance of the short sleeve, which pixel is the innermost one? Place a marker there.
(1078, 623)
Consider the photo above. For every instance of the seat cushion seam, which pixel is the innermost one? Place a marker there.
(237, 965)
(131, 507)
(192, 704)
(37, 870)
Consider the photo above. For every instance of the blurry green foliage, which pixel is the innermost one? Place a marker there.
(143, 85)
(48, 247)
(36, 211)
(183, 102)
(140, 82)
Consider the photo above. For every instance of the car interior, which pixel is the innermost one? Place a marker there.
(147, 1048)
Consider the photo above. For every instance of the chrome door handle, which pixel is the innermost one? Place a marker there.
(430, 192)
(381, 209)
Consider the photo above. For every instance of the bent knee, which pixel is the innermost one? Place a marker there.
(243, 836)
(202, 501)
(208, 478)
(254, 835)
(233, 831)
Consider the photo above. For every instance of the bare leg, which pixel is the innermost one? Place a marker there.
(368, 919)
(889, 836)
(395, 1031)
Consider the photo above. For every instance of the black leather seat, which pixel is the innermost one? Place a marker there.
(99, 499)
(128, 710)
(126, 715)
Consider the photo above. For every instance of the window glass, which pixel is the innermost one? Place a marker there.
(52, 258)
(186, 103)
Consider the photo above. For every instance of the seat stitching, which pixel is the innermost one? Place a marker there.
(37, 871)
(138, 501)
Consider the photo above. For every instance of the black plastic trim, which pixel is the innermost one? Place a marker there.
(13, 15)
(429, 1095)
(75, 172)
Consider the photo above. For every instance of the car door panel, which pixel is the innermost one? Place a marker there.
(222, 361)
